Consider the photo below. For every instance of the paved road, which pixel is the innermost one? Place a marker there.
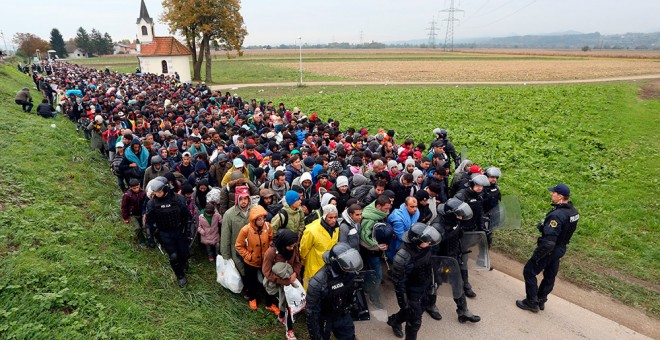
(501, 319)
(340, 83)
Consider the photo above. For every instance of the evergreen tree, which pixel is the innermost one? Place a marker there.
(97, 41)
(57, 43)
(83, 41)
(107, 44)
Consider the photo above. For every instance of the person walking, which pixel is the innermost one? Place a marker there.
(556, 232)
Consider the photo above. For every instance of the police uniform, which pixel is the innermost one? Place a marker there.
(556, 232)
(476, 223)
(329, 298)
(169, 216)
(491, 200)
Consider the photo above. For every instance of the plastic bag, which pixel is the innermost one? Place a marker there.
(296, 297)
(228, 275)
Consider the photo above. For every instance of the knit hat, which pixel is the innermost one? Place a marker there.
(309, 162)
(417, 173)
(258, 172)
(291, 197)
(422, 195)
(330, 208)
(173, 146)
(186, 188)
(342, 181)
(410, 161)
(391, 164)
(236, 174)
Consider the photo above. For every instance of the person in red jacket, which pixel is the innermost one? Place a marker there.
(132, 205)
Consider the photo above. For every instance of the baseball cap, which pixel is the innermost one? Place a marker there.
(238, 163)
(561, 189)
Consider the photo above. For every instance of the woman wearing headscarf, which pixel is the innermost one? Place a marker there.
(281, 268)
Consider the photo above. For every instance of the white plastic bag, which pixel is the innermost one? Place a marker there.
(228, 275)
(296, 298)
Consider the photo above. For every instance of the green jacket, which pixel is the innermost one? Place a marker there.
(370, 216)
(232, 223)
(296, 221)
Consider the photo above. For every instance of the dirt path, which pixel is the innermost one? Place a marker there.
(344, 83)
(571, 312)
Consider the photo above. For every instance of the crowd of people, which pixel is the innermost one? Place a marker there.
(287, 196)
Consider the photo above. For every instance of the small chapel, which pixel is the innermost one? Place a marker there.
(160, 55)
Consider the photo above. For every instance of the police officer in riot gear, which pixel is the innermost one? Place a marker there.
(167, 216)
(441, 135)
(448, 223)
(492, 197)
(330, 294)
(413, 277)
(472, 196)
(556, 232)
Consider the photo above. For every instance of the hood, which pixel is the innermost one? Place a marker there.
(200, 166)
(325, 199)
(255, 212)
(347, 218)
(370, 212)
(359, 180)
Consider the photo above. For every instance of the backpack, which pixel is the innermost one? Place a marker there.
(114, 166)
(286, 219)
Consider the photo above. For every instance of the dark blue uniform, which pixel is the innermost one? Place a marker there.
(329, 298)
(556, 232)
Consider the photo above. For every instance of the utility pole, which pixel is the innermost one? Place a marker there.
(301, 70)
(3, 40)
(449, 37)
(361, 38)
(432, 33)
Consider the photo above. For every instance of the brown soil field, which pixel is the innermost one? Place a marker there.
(482, 70)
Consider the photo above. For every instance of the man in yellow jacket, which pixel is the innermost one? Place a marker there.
(319, 237)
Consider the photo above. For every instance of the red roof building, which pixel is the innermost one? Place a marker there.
(163, 46)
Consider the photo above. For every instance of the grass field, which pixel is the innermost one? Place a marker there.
(267, 66)
(68, 266)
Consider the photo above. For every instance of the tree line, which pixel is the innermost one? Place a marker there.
(93, 43)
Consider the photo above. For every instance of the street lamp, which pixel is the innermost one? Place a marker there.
(300, 44)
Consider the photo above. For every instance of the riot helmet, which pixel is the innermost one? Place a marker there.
(343, 256)
(458, 208)
(155, 185)
(478, 179)
(421, 233)
(493, 172)
(442, 133)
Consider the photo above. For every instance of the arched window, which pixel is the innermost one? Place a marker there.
(164, 64)
(144, 30)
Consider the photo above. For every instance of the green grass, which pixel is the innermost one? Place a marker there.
(69, 267)
(599, 139)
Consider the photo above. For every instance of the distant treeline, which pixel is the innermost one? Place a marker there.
(627, 41)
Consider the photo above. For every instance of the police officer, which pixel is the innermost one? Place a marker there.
(492, 197)
(167, 216)
(413, 277)
(441, 135)
(448, 223)
(556, 231)
(472, 196)
(330, 294)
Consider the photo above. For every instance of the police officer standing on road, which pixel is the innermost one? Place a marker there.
(167, 216)
(556, 231)
(412, 273)
(492, 197)
(330, 294)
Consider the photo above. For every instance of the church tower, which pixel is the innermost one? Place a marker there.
(145, 26)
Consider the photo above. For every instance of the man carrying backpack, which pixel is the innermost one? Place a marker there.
(291, 215)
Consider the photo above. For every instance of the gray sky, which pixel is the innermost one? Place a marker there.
(282, 21)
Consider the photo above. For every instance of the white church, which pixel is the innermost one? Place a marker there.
(160, 55)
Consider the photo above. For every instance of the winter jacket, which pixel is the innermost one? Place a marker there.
(291, 174)
(314, 242)
(296, 222)
(252, 241)
(24, 94)
(227, 177)
(218, 171)
(132, 203)
(152, 173)
(209, 233)
(401, 222)
(97, 138)
(349, 231)
(232, 223)
(271, 257)
(370, 216)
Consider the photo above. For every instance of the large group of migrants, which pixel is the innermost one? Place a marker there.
(287, 196)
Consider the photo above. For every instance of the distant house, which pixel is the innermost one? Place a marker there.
(118, 48)
(75, 53)
(160, 55)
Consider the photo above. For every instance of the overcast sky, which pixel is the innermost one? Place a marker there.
(282, 21)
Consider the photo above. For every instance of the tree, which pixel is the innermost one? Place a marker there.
(84, 41)
(57, 43)
(28, 44)
(108, 47)
(201, 22)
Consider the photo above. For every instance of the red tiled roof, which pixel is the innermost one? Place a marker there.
(164, 46)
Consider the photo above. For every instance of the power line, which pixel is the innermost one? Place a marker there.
(449, 36)
(432, 33)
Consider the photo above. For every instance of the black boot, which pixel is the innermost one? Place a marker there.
(182, 281)
(527, 304)
(542, 302)
(463, 312)
(434, 312)
(396, 327)
(467, 288)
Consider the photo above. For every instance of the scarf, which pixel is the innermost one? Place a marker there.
(285, 238)
(142, 162)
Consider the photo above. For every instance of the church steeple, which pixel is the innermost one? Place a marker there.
(145, 25)
(144, 14)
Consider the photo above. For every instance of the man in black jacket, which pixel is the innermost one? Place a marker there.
(556, 232)
(45, 110)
